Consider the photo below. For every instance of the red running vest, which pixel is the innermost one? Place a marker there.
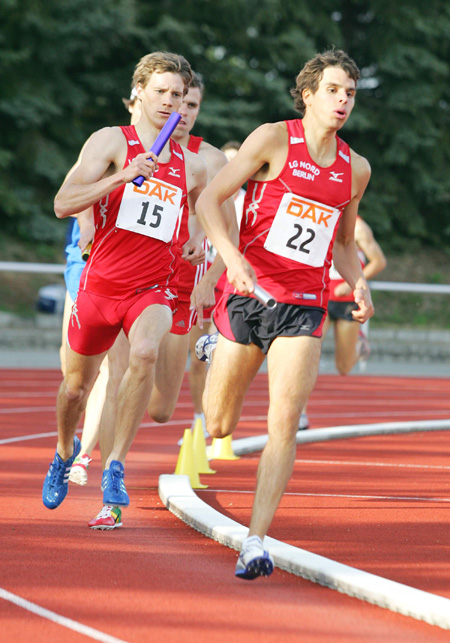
(289, 224)
(137, 228)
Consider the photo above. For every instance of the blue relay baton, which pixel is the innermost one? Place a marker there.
(161, 140)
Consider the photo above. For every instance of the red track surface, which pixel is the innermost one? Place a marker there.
(381, 504)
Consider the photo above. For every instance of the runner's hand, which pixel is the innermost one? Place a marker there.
(144, 164)
(203, 296)
(241, 275)
(193, 252)
(364, 300)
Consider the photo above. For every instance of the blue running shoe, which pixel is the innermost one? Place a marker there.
(56, 481)
(114, 492)
(104, 479)
(253, 560)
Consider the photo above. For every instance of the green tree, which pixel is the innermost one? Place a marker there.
(60, 62)
(65, 64)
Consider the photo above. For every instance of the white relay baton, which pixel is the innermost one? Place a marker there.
(264, 297)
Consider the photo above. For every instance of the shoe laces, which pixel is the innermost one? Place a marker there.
(58, 471)
(253, 546)
(117, 480)
(105, 512)
(83, 460)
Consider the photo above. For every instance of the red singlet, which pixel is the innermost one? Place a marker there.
(289, 223)
(137, 228)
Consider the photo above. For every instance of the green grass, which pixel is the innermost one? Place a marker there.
(411, 309)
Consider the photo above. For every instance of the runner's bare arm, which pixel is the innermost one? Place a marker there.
(345, 253)
(196, 178)
(193, 250)
(87, 227)
(376, 261)
(99, 170)
(259, 150)
(203, 295)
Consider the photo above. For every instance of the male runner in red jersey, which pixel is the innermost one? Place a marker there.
(127, 280)
(171, 363)
(349, 339)
(304, 187)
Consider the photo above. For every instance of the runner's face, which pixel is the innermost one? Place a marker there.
(189, 111)
(334, 99)
(162, 95)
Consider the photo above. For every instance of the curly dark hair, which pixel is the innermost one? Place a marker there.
(311, 74)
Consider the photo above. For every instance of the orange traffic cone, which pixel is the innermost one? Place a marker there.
(221, 449)
(186, 464)
(200, 448)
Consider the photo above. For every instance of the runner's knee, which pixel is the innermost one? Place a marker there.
(143, 355)
(75, 389)
(344, 365)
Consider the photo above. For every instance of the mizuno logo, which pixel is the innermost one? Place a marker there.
(133, 142)
(335, 176)
(174, 171)
(180, 156)
(295, 140)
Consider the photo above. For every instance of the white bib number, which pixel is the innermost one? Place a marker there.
(151, 209)
(302, 230)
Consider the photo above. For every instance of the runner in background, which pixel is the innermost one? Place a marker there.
(350, 340)
(230, 149)
(185, 330)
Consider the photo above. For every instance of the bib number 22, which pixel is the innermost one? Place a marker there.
(302, 247)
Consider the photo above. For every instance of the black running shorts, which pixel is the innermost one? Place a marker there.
(342, 310)
(246, 321)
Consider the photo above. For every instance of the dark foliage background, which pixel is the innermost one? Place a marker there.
(66, 64)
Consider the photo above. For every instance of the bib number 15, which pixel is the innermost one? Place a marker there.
(157, 209)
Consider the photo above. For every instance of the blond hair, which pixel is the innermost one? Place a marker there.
(162, 61)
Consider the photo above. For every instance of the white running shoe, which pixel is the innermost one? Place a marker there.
(205, 432)
(253, 560)
(205, 346)
(303, 422)
(362, 347)
(78, 472)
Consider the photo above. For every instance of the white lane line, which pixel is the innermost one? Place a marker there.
(337, 495)
(96, 635)
(176, 493)
(38, 436)
(35, 436)
(28, 409)
(16, 394)
(398, 465)
(35, 382)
